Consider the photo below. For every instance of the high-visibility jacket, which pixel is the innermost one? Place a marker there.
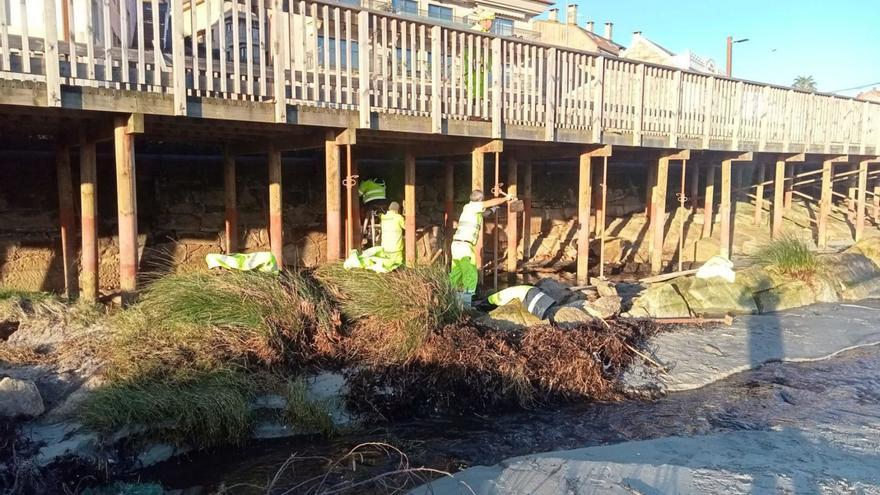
(535, 301)
(392, 225)
(372, 189)
(470, 223)
(261, 262)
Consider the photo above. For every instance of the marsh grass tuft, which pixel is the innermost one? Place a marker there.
(789, 256)
(306, 413)
(393, 313)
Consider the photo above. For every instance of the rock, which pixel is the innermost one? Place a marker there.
(20, 398)
(705, 249)
(570, 316)
(660, 301)
(512, 316)
(869, 248)
(716, 297)
(786, 296)
(605, 307)
(557, 291)
(854, 276)
(604, 287)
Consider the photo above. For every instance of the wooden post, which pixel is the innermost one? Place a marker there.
(357, 235)
(126, 204)
(333, 197)
(66, 218)
(409, 206)
(512, 237)
(778, 199)
(178, 59)
(724, 209)
(789, 187)
(89, 205)
(695, 185)
(585, 193)
(51, 59)
(682, 198)
(449, 206)
(230, 200)
(478, 159)
(276, 229)
(708, 202)
(600, 217)
(658, 214)
(649, 192)
(852, 194)
(877, 200)
(759, 193)
(527, 211)
(860, 200)
(825, 203)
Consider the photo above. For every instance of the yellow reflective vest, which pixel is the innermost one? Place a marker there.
(392, 226)
(470, 223)
(372, 189)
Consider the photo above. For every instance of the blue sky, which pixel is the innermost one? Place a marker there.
(837, 42)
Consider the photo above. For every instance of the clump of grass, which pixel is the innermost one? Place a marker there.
(393, 312)
(207, 320)
(203, 410)
(306, 413)
(790, 257)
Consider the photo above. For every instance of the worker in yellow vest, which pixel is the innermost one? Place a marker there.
(392, 225)
(532, 298)
(371, 190)
(465, 273)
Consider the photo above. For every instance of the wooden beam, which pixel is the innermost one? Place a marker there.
(493, 146)
(333, 197)
(601, 213)
(860, 200)
(759, 193)
(126, 204)
(67, 218)
(585, 195)
(779, 188)
(135, 124)
(724, 209)
(512, 220)
(658, 214)
(409, 206)
(88, 219)
(230, 201)
(478, 161)
(276, 208)
(825, 202)
(448, 206)
(527, 211)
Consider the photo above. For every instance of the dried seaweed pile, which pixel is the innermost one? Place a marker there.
(462, 368)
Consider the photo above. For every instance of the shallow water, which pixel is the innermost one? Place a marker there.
(842, 392)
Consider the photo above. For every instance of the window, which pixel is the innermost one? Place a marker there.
(503, 27)
(405, 6)
(440, 12)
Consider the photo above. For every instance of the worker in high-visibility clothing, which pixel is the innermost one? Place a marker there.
(536, 301)
(371, 190)
(392, 225)
(465, 273)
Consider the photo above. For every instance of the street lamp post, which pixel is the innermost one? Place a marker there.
(730, 43)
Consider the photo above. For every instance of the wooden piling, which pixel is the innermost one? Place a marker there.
(601, 224)
(658, 214)
(877, 200)
(825, 203)
(759, 194)
(333, 197)
(725, 210)
(852, 193)
(448, 206)
(230, 200)
(126, 204)
(352, 203)
(778, 199)
(585, 193)
(708, 202)
(409, 206)
(357, 233)
(682, 198)
(478, 160)
(67, 218)
(649, 191)
(694, 185)
(512, 220)
(276, 228)
(527, 211)
(860, 199)
(88, 219)
(789, 187)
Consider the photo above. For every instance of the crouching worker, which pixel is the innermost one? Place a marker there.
(532, 298)
(464, 273)
(388, 256)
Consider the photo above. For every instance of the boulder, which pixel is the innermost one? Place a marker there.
(557, 291)
(869, 248)
(571, 316)
(512, 316)
(20, 398)
(786, 296)
(716, 297)
(660, 301)
(854, 275)
(605, 307)
(604, 287)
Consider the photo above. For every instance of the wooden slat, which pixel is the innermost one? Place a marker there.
(209, 46)
(394, 75)
(279, 85)
(349, 63)
(178, 65)
(221, 37)
(313, 46)
(108, 41)
(5, 63)
(53, 76)
(497, 97)
(262, 27)
(436, 70)
(71, 38)
(236, 49)
(249, 46)
(194, 46)
(124, 44)
(550, 94)
(25, 38)
(141, 48)
(413, 65)
(364, 68)
(337, 36)
(157, 44)
(423, 70)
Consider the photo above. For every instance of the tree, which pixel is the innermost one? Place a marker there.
(806, 83)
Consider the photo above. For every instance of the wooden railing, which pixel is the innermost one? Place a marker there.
(325, 54)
